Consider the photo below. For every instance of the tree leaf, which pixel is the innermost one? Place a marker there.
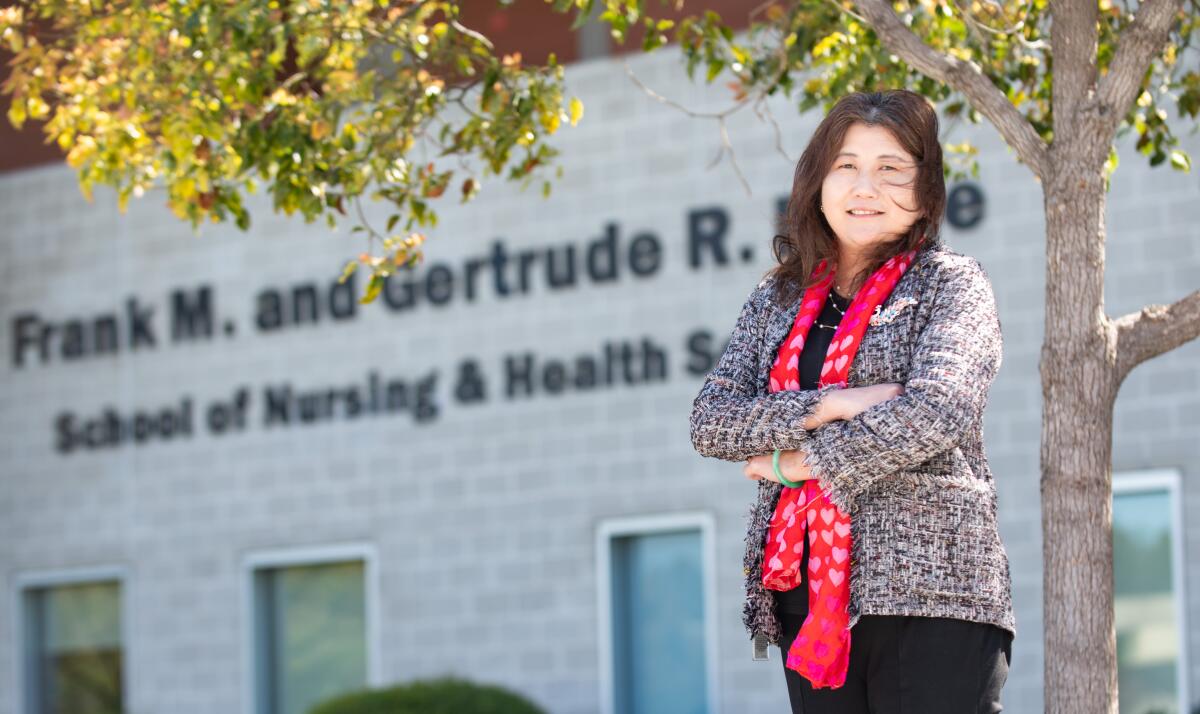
(1180, 161)
(373, 288)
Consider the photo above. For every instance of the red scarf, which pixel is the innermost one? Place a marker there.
(821, 651)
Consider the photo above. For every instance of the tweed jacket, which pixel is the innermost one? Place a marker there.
(910, 471)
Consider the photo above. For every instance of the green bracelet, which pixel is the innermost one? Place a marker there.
(779, 474)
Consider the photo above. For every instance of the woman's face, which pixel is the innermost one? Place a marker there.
(871, 172)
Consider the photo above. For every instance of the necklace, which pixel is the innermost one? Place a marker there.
(832, 301)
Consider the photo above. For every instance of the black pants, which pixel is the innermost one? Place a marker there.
(908, 665)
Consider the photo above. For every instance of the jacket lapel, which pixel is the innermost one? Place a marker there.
(778, 325)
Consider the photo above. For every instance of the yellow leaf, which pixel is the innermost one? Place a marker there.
(373, 288)
(16, 114)
(81, 152)
(342, 79)
(282, 97)
(576, 108)
(37, 108)
(826, 44)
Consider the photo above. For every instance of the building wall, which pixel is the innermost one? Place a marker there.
(484, 517)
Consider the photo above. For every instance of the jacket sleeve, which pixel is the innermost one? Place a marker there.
(730, 420)
(954, 360)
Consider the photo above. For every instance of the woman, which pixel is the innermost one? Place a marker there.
(853, 387)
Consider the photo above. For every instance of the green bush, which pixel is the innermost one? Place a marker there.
(446, 695)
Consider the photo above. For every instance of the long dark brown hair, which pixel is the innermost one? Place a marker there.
(806, 236)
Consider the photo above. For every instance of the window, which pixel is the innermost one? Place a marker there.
(1147, 593)
(311, 627)
(657, 625)
(73, 659)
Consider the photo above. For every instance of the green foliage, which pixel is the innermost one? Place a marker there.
(326, 101)
(447, 695)
(817, 50)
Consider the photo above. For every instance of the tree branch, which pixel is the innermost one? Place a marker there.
(1136, 48)
(1155, 329)
(964, 77)
(726, 144)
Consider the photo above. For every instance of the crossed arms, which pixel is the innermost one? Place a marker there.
(955, 358)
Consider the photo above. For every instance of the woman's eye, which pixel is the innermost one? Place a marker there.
(846, 166)
(893, 168)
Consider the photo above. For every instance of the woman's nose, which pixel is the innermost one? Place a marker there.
(864, 184)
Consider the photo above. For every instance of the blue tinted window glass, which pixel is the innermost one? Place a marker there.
(75, 646)
(658, 624)
(1147, 630)
(312, 636)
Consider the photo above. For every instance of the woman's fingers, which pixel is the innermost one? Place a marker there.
(751, 471)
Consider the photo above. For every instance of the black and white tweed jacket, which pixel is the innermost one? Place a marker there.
(910, 471)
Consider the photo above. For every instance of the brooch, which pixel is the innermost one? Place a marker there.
(884, 316)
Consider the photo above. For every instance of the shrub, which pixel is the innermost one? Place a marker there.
(445, 695)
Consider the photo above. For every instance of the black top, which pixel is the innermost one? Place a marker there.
(812, 358)
(816, 344)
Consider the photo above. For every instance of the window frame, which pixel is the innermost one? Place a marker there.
(301, 556)
(26, 582)
(611, 528)
(1136, 481)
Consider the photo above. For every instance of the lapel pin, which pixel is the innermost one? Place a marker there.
(881, 316)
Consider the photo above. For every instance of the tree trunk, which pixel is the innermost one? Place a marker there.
(1079, 387)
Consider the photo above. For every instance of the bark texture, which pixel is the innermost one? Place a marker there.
(1079, 387)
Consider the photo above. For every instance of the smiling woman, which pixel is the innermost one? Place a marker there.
(873, 560)
(868, 193)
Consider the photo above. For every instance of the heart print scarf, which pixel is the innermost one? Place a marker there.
(821, 650)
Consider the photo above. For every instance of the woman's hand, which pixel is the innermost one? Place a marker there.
(852, 401)
(791, 463)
